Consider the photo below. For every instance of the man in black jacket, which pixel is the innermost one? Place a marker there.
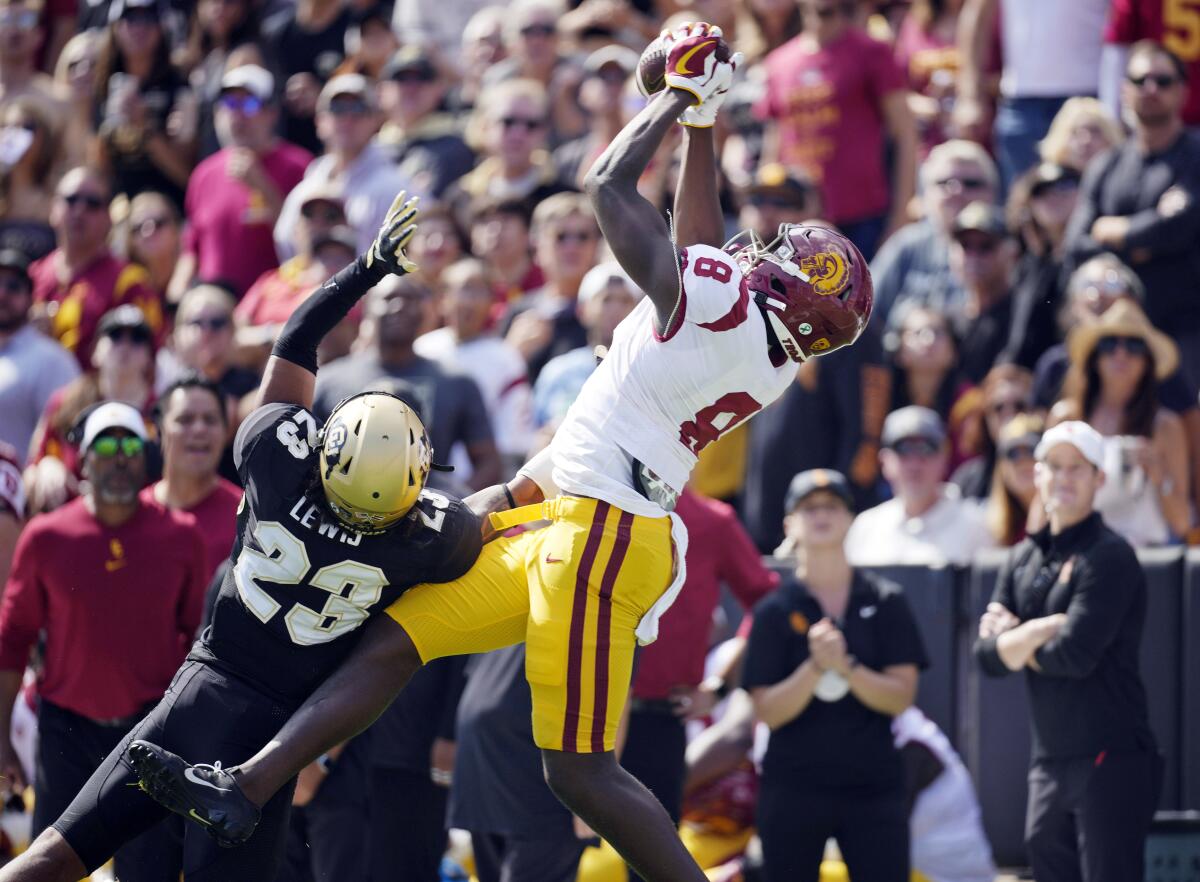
(1069, 610)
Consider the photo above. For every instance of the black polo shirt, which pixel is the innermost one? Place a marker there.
(842, 744)
(1088, 696)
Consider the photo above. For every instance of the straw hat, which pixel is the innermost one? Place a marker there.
(1124, 319)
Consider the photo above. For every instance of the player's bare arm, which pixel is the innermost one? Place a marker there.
(633, 228)
(698, 216)
(291, 373)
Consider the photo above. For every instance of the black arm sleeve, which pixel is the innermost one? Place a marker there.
(320, 313)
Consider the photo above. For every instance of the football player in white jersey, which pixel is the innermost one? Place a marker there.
(718, 337)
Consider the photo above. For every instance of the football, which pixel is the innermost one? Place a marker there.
(652, 66)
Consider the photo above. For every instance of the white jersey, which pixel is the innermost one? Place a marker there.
(660, 399)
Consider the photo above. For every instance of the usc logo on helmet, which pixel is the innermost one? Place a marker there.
(827, 272)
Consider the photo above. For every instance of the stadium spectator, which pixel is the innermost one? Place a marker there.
(508, 129)
(519, 830)
(91, 695)
(347, 118)
(203, 341)
(777, 195)
(463, 345)
(1048, 54)
(1005, 392)
(482, 47)
(234, 197)
(1130, 22)
(260, 314)
(545, 323)
(193, 428)
(500, 238)
(438, 243)
(926, 372)
(32, 366)
(1039, 205)
(928, 522)
(833, 655)
(927, 52)
(26, 176)
(81, 280)
(21, 39)
(1117, 363)
(425, 143)
(982, 254)
(75, 80)
(304, 44)
(1069, 609)
(1080, 132)
(537, 51)
(215, 29)
(155, 238)
(914, 264)
(606, 296)
(605, 73)
(670, 688)
(12, 507)
(835, 94)
(145, 114)
(1012, 506)
(123, 370)
(442, 28)
(396, 310)
(370, 41)
(763, 26)
(1142, 201)
(847, 393)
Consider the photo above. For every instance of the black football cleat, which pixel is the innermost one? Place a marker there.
(206, 795)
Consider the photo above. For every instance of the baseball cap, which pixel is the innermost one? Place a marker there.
(1048, 174)
(119, 7)
(912, 422)
(600, 277)
(112, 415)
(326, 192)
(346, 84)
(254, 79)
(809, 482)
(1079, 435)
(775, 179)
(981, 217)
(11, 258)
(125, 316)
(412, 57)
(622, 56)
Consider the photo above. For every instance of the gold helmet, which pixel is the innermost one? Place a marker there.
(375, 457)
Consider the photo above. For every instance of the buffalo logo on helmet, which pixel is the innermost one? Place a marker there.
(335, 440)
(827, 272)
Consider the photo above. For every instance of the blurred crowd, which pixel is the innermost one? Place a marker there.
(176, 177)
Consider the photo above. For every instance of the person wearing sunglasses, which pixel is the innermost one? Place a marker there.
(122, 370)
(1012, 508)
(1068, 611)
(1142, 202)
(982, 255)
(914, 264)
(353, 161)
(154, 238)
(1117, 363)
(927, 522)
(105, 570)
(22, 38)
(81, 280)
(426, 143)
(234, 197)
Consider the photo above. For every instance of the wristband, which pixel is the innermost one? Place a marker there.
(512, 503)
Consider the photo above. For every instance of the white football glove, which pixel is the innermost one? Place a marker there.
(692, 66)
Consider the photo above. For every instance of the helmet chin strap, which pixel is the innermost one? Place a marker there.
(787, 341)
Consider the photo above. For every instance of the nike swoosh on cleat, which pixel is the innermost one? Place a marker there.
(681, 64)
(196, 817)
(196, 779)
(550, 559)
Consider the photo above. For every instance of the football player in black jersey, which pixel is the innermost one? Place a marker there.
(336, 523)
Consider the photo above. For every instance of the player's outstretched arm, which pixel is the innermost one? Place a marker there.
(291, 373)
(633, 228)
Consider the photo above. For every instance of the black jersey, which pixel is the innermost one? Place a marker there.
(302, 584)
